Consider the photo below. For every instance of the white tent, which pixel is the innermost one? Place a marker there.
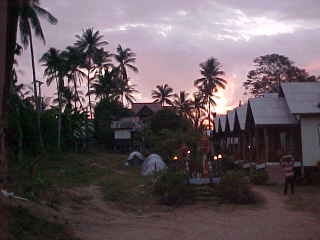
(135, 158)
(153, 163)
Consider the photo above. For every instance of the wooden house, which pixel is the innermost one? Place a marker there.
(240, 130)
(125, 129)
(217, 135)
(303, 100)
(271, 128)
(124, 133)
(222, 131)
(232, 137)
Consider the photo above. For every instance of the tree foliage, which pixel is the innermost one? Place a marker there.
(163, 94)
(211, 81)
(271, 70)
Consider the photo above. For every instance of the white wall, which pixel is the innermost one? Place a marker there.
(310, 140)
(122, 134)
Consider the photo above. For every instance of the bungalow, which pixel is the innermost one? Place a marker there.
(217, 135)
(222, 131)
(232, 139)
(303, 100)
(239, 129)
(125, 129)
(275, 123)
(271, 128)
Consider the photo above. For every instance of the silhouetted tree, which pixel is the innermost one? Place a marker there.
(90, 43)
(163, 94)
(271, 70)
(29, 13)
(126, 58)
(210, 82)
(183, 104)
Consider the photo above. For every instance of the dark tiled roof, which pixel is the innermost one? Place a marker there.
(154, 107)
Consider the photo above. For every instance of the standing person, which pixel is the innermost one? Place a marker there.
(287, 163)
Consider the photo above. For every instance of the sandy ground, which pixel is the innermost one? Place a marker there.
(274, 220)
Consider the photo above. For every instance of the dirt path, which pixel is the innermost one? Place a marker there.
(273, 221)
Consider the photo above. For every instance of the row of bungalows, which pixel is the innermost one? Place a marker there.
(258, 132)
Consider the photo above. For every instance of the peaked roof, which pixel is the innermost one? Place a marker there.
(154, 107)
(222, 121)
(242, 114)
(231, 115)
(271, 111)
(302, 97)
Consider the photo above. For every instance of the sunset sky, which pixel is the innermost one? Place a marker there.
(171, 37)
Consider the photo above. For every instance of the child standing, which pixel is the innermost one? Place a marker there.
(287, 163)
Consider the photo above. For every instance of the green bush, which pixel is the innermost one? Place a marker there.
(167, 142)
(171, 187)
(24, 225)
(234, 188)
(259, 177)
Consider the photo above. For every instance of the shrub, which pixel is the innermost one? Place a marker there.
(227, 164)
(171, 187)
(167, 142)
(314, 178)
(234, 188)
(27, 226)
(259, 177)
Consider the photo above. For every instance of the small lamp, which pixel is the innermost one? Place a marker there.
(219, 156)
(215, 157)
(189, 152)
(175, 158)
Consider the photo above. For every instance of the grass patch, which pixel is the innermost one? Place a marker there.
(25, 226)
(55, 171)
(127, 187)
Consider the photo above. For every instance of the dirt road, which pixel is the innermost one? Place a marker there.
(272, 221)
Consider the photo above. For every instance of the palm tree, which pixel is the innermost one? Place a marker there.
(127, 91)
(29, 13)
(210, 81)
(198, 109)
(74, 60)
(105, 85)
(90, 43)
(182, 103)
(163, 94)
(125, 58)
(55, 70)
(102, 60)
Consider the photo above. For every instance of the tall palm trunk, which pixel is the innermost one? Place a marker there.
(124, 72)
(77, 94)
(35, 94)
(90, 108)
(209, 113)
(60, 113)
